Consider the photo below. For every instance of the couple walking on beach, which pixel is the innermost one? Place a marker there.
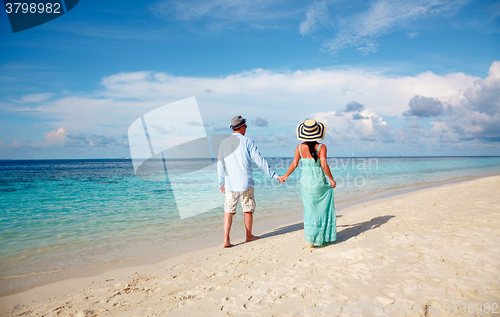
(234, 169)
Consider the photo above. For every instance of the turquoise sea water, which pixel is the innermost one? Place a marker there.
(57, 215)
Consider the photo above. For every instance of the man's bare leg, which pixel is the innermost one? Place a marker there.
(228, 221)
(248, 226)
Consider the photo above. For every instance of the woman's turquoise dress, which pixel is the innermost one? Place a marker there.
(317, 199)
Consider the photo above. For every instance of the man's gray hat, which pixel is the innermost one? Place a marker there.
(237, 122)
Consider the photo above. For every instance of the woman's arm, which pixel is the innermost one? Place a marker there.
(324, 165)
(294, 164)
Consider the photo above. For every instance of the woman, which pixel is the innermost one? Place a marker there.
(316, 193)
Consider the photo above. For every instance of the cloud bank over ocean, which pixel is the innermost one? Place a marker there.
(365, 107)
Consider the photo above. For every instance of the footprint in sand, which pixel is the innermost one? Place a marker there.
(383, 301)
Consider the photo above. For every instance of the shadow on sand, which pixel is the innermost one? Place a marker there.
(358, 228)
(355, 229)
(351, 230)
(285, 229)
(282, 230)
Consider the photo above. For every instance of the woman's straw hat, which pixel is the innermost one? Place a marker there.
(310, 130)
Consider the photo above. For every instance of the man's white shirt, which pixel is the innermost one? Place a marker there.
(234, 166)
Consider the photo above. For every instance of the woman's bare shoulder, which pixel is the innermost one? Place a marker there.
(321, 148)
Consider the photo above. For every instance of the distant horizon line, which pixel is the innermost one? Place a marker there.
(273, 157)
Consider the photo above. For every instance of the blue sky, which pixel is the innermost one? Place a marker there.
(387, 77)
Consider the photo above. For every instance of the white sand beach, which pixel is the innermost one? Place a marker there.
(394, 256)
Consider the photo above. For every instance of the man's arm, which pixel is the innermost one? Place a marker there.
(220, 174)
(260, 161)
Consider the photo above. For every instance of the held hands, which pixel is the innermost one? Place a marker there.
(282, 179)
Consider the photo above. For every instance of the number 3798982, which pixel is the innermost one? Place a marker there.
(18, 7)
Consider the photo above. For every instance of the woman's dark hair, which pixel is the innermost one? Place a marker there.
(311, 145)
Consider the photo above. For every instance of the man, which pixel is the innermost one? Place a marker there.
(234, 168)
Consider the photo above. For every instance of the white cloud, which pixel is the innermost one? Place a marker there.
(348, 126)
(260, 138)
(227, 13)
(35, 98)
(356, 103)
(362, 29)
(14, 144)
(475, 114)
(126, 96)
(471, 116)
(316, 14)
(56, 136)
(414, 125)
(263, 90)
(92, 140)
(413, 35)
(53, 138)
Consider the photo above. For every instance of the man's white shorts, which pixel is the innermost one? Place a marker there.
(247, 201)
